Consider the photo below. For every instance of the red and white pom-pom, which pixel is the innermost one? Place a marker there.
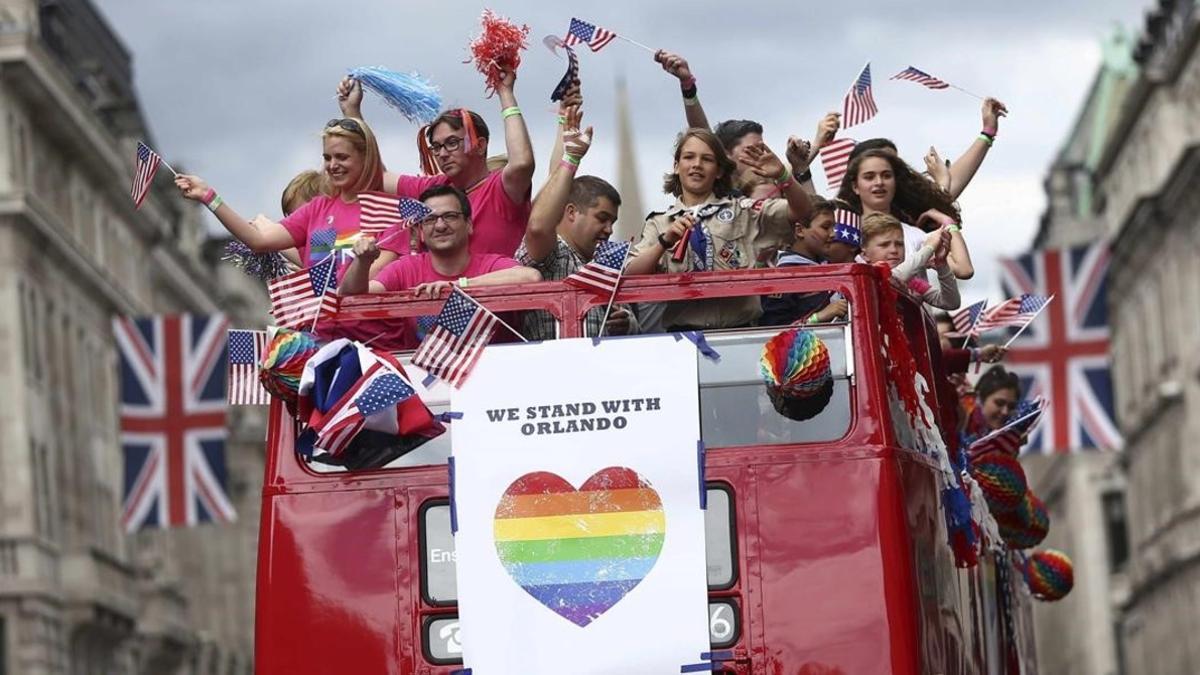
(497, 49)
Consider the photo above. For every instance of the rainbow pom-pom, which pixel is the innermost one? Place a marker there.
(795, 367)
(414, 96)
(284, 362)
(1050, 575)
(1027, 525)
(1001, 479)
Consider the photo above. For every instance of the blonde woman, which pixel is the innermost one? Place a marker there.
(328, 222)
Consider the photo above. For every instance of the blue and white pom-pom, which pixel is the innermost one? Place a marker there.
(414, 96)
(265, 266)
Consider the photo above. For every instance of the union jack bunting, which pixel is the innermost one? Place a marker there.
(966, 319)
(298, 298)
(246, 349)
(835, 157)
(859, 104)
(595, 37)
(378, 212)
(603, 272)
(920, 77)
(145, 166)
(172, 381)
(1064, 356)
(460, 332)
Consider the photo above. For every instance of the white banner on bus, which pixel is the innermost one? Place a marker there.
(577, 502)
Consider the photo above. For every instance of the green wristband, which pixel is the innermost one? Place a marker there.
(215, 203)
(987, 139)
(509, 112)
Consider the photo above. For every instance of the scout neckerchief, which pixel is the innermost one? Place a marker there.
(697, 242)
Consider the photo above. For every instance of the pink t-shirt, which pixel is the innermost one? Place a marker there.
(413, 270)
(499, 222)
(328, 224)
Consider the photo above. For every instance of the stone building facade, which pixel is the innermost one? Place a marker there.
(76, 594)
(1128, 174)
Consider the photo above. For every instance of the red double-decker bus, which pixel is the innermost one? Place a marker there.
(825, 540)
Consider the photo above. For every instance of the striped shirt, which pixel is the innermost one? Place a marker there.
(559, 264)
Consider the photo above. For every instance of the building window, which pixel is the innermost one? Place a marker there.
(1116, 530)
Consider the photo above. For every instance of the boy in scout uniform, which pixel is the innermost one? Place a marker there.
(708, 230)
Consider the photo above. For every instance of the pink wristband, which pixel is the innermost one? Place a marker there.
(990, 131)
(567, 165)
(688, 83)
(208, 197)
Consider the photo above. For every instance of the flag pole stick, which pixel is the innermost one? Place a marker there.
(616, 287)
(1006, 427)
(1031, 320)
(497, 316)
(955, 86)
(164, 163)
(638, 44)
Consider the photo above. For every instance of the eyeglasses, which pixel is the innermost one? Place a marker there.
(450, 218)
(347, 124)
(452, 144)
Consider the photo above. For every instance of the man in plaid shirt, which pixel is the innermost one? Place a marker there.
(570, 216)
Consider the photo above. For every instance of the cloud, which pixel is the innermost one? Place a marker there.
(238, 92)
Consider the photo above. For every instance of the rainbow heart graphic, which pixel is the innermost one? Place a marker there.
(579, 552)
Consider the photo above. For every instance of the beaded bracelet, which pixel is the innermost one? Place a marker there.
(510, 112)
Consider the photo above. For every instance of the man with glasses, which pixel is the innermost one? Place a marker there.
(447, 261)
(454, 147)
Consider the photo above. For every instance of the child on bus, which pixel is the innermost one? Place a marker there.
(883, 241)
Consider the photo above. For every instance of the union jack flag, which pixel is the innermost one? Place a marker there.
(920, 77)
(378, 212)
(143, 175)
(835, 157)
(603, 272)
(460, 332)
(859, 105)
(966, 319)
(1065, 358)
(172, 381)
(597, 38)
(298, 298)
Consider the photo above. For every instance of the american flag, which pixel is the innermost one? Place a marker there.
(595, 37)
(966, 319)
(412, 212)
(378, 212)
(920, 77)
(1004, 440)
(859, 105)
(144, 169)
(835, 157)
(1012, 312)
(560, 90)
(246, 349)
(603, 272)
(459, 334)
(1064, 358)
(172, 382)
(377, 390)
(297, 298)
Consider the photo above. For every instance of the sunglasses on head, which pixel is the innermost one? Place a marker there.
(347, 124)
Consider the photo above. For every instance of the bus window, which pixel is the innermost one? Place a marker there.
(438, 583)
(734, 406)
(719, 536)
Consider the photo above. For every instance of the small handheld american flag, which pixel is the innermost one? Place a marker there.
(1017, 311)
(560, 90)
(835, 157)
(378, 212)
(966, 319)
(412, 212)
(459, 334)
(302, 296)
(920, 77)
(595, 37)
(145, 167)
(859, 105)
(377, 390)
(603, 272)
(246, 349)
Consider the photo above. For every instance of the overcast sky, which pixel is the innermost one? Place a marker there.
(237, 91)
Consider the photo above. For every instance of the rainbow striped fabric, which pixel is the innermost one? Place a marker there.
(579, 552)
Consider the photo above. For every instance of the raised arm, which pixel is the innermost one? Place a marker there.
(959, 258)
(518, 173)
(678, 66)
(261, 236)
(542, 232)
(572, 99)
(350, 96)
(767, 164)
(963, 169)
(801, 154)
(357, 278)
